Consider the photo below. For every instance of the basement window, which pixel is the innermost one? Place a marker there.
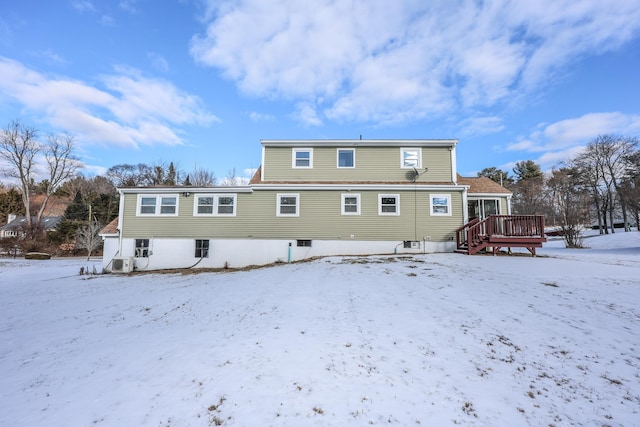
(142, 248)
(202, 248)
(303, 243)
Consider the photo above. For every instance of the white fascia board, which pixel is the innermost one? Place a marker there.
(359, 142)
(480, 195)
(174, 190)
(382, 187)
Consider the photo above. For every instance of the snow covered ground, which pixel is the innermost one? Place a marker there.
(430, 340)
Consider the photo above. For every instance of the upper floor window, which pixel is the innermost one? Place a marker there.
(346, 158)
(388, 204)
(440, 204)
(350, 204)
(288, 205)
(302, 157)
(157, 205)
(215, 204)
(410, 158)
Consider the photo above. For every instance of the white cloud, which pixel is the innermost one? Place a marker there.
(130, 110)
(261, 117)
(577, 131)
(391, 62)
(306, 115)
(158, 62)
(561, 140)
(481, 125)
(83, 6)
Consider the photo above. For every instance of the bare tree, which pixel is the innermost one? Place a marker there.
(202, 178)
(18, 148)
(88, 237)
(605, 161)
(61, 165)
(570, 201)
(231, 179)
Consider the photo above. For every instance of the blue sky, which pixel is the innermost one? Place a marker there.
(201, 82)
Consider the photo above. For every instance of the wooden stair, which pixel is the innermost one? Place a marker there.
(501, 231)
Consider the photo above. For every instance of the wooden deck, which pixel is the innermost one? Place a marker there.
(501, 231)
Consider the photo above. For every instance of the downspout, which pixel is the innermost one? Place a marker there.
(120, 220)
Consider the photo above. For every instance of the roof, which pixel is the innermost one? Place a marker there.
(47, 223)
(482, 185)
(56, 206)
(111, 228)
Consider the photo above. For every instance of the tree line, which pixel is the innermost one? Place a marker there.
(599, 186)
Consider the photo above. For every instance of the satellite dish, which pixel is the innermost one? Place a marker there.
(417, 174)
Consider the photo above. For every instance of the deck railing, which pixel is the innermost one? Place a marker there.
(518, 229)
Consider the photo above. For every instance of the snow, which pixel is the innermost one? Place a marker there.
(437, 339)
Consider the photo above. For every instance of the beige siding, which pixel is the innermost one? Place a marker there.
(375, 164)
(320, 218)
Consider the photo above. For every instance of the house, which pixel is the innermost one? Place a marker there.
(16, 226)
(308, 198)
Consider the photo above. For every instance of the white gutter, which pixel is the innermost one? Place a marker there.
(359, 142)
(432, 187)
(174, 190)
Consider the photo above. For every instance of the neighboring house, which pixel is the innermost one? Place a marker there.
(309, 198)
(17, 225)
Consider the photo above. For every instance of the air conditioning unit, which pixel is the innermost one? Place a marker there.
(122, 265)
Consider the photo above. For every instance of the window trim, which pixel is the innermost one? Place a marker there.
(216, 204)
(353, 153)
(397, 204)
(279, 197)
(294, 158)
(201, 248)
(402, 157)
(158, 204)
(432, 205)
(343, 196)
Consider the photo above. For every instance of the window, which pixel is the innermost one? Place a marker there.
(346, 158)
(440, 204)
(304, 243)
(389, 204)
(302, 158)
(142, 248)
(202, 248)
(157, 205)
(410, 158)
(215, 205)
(288, 205)
(204, 205)
(350, 204)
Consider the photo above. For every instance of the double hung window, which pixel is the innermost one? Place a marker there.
(288, 205)
(388, 204)
(157, 205)
(303, 158)
(350, 204)
(440, 204)
(410, 158)
(215, 205)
